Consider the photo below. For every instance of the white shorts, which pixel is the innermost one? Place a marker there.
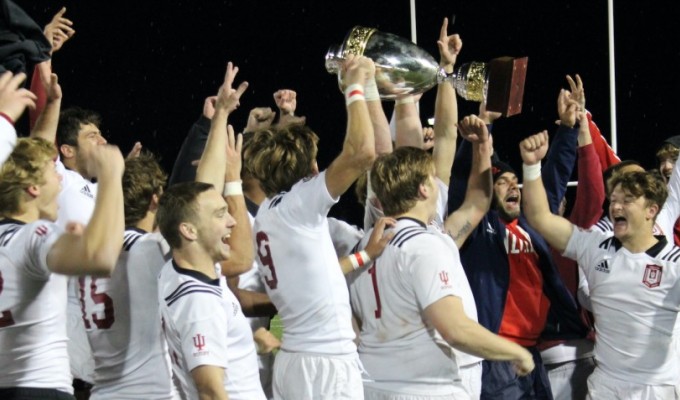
(471, 381)
(602, 386)
(376, 394)
(303, 376)
(469, 387)
(568, 379)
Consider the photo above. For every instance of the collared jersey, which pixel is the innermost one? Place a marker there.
(635, 299)
(123, 326)
(204, 325)
(32, 309)
(419, 266)
(300, 268)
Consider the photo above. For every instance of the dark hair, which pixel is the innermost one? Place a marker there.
(143, 178)
(178, 205)
(609, 173)
(70, 121)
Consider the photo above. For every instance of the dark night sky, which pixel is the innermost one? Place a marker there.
(146, 66)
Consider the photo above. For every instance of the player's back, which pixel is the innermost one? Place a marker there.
(297, 259)
(32, 309)
(418, 267)
(123, 323)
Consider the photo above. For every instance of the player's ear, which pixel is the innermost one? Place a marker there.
(188, 231)
(652, 211)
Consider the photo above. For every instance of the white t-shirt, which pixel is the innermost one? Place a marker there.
(399, 350)
(8, 139)
(204, 325)
(123, 325)
(298, 262)
(32, 308)
(635, 299)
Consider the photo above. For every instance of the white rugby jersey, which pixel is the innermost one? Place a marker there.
(120, 315)
(32, 309)
(204, 325)
(400, 352)
(635, 299)
(76, 204)
(303, 278)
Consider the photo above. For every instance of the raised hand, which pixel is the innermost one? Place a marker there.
(286, 101)
(473, 129)
(234, 146)
(357, 69)
(14, 100)
(59, 30)
(259, 118)
(449, 46)
(379, 240)
(53, 89)
(228, 97)
(534, 148)
(567, 108)
(135, 152)
(577, 92)
(106, 159)
(209, 106)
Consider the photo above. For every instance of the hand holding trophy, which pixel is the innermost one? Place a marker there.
(403, 68)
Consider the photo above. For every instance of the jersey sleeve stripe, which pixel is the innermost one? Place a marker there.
(195, 289)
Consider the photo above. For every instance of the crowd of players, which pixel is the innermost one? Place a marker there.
(119, 283)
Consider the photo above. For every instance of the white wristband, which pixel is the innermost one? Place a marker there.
(354, 92)
(371, 91)
(531, 172)
(405, 100)
(234, 188)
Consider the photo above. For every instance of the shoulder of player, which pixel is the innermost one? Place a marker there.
(670, 253)
(176, 289)
(412, 236)
(11, 231)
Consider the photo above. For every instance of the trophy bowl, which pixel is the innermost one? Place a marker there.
(402, 68)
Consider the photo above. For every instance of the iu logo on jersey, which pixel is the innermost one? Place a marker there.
(652, 277)
(199, 342)
(444, 277)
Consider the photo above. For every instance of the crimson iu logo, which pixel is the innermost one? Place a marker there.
(444, 277)
(199, 342)
(652, 277)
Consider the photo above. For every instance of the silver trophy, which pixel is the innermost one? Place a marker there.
(403, 68)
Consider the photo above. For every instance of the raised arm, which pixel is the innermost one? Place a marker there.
(13, 101)
(184, 168)
(555, 230)
(212, 166)
(446, 107)
(562, 154)
(358, 149)
(590, 191)
(374, 248)
(408, 130)
(46, 125)
(95, 250)
(461, 222)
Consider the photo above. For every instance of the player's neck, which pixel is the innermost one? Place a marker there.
(639, 243)
(191, 258)
(27, 215)
(418, 213)
(147, 223)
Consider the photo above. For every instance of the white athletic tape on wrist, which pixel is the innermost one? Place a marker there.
(371, 91)
(531, 172)
(234, 188)
(359, 259)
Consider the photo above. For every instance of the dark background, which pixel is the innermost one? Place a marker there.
(147, 66)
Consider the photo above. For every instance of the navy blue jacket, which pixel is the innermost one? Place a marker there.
(485, 259)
